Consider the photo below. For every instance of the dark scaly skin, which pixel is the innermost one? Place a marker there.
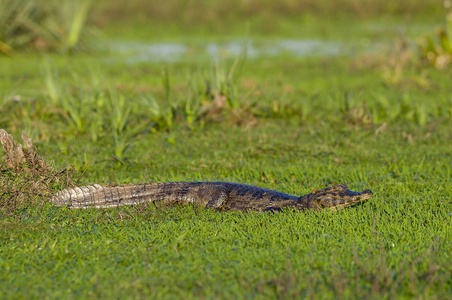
(214, 195)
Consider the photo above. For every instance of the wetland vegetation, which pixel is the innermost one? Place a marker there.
(290, 96)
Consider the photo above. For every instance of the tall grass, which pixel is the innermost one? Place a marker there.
(44, 25)
(88, 107)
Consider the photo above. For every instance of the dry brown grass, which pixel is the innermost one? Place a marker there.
(26, 178)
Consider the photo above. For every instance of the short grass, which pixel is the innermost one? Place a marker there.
(296, 125)
(397, 244)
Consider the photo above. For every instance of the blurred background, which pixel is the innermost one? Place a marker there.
(118, 70)
(65, 25)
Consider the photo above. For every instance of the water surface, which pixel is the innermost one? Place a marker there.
(138, 52)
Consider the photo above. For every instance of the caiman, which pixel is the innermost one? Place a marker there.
(219, 196)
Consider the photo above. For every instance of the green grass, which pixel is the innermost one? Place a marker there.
(286, 123)
(184, 253)
(396, 244)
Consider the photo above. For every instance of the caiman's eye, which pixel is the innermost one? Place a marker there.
(324, 203)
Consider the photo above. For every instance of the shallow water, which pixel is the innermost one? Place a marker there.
(138, 52)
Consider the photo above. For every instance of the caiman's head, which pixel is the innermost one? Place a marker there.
(336, 197)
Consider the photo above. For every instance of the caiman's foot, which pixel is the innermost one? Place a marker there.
(273, 209)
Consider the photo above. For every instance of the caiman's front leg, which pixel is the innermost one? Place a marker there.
(273, 209)
(217, 195)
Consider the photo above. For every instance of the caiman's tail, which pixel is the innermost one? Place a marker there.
(98, 196)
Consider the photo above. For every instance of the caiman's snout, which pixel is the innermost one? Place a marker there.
(366, 194)
(338, 196)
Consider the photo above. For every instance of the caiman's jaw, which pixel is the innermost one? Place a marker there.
(337, 197)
